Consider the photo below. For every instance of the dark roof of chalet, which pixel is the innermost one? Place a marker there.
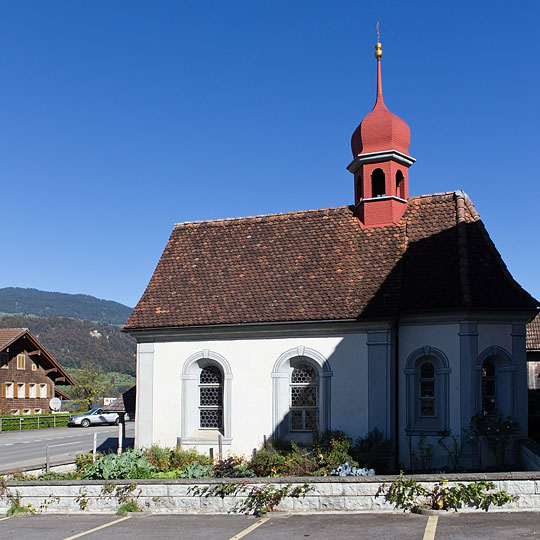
(320, 265)
(11, 335)
(533, 334)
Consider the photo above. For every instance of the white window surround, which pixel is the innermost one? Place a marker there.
(21, 390)
(190, 432)
(42, 390)
(505, 379)
(9, 390)
(281, 375)
(33, 390)
(415, 423)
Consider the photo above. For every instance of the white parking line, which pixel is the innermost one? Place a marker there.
(431, 527)
(251, 528)
(96, 528)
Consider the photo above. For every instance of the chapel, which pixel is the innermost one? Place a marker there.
(394, 312)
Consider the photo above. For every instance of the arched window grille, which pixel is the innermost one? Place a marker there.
(427, 390)
(211, 398)
(378, 183)
(304, 398)
(489, 387)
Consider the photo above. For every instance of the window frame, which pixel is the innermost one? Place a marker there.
(23, 386)
(21, 361)
(304, 408)
(190, 431)
(281, 374)
(416, 424)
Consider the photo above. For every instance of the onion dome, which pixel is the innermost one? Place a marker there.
(380, 130)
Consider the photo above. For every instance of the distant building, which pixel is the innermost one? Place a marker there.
(28, 374)
(533, 354)
(395, 313)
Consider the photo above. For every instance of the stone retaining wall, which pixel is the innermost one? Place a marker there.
(177, 496)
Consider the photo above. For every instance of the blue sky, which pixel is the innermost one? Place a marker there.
(120, 118)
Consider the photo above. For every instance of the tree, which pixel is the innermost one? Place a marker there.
(88, 387)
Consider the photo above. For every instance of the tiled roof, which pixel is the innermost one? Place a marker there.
(533, 334)
(9, 335)
(321, 265)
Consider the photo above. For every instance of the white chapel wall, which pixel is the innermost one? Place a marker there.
(251, 361)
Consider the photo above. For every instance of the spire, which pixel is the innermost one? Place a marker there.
(380, 146)
(378, 56)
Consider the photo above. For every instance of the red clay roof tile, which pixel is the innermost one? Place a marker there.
(321, 265)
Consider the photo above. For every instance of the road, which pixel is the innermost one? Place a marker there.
(477, 526)
(26, 449)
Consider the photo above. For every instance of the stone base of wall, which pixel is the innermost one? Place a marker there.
(178, 496)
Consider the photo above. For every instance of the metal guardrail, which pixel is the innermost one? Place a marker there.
(18, 423)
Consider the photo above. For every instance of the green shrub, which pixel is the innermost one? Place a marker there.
(82, 461)
(130, 506)
(170, 459)
(281, 446)
(131, 464)
(300, 462)
(338, 453)
(374, 452)
(232, 467)
(267, 463)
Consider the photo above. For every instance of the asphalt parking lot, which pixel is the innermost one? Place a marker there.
(475, 526)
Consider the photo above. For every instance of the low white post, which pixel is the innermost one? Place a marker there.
(47, 459)
(94, 448)
(220, 447)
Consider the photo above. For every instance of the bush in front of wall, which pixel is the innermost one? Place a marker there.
(171, 459)
(232, 467)
(374, 452)
(266, 463)
(82, 461)
(131, 464)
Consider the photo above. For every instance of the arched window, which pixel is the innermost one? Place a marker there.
(400, 185)
(211, 398)
(205, 404)
(301, 394)
(427, 390)
(489, 387)
(304, 398)
(496, 384)
(378, 183)
(427, 374)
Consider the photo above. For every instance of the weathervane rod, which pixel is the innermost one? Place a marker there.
(378, 33)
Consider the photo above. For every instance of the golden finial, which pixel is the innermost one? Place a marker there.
(378, 46)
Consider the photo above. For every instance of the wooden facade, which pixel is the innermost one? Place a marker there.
(28, 374)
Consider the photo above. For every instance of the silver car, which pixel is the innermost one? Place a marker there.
(94, 416)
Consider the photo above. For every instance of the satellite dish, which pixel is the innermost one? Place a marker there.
(55, 404)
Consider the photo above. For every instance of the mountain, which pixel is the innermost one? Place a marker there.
(74, 343)
(20, 301)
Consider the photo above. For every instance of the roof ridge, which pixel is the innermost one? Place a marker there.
(258, 216)
(296, 212)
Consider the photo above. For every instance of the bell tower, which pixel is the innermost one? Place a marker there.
(380, 146)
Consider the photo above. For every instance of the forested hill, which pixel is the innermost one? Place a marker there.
(75, 343)
(15, 300)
